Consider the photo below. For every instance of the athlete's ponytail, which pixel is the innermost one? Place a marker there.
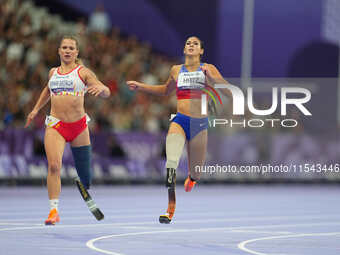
(79, 61)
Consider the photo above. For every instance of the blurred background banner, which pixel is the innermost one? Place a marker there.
(258, 44)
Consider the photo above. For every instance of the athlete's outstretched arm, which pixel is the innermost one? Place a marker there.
(42, 101)
(162, 90)
(95, 87)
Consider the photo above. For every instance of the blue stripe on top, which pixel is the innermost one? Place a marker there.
(184, 69)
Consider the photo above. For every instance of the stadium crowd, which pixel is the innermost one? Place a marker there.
(29, 38)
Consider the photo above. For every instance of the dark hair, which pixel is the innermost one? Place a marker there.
(201, 42)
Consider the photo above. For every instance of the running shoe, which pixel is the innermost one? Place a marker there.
(189, 184)
(53, 217)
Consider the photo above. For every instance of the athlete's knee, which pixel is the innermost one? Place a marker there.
(54, 167)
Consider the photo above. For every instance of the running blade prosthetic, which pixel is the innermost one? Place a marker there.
(88, 200)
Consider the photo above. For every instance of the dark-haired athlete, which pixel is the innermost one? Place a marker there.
(189, 124)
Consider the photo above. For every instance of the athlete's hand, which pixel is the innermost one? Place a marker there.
(96, 89)
(30, 117)
(206, 71)
(133, 85)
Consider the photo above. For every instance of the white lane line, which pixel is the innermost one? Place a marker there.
(91, 242)
(266, 218)
(186, 222)
(263, 232)
(101, 225)
(224, 219)
(143, 227)
(17, 224)
(225, 216)
(65, 217)
(243, 244)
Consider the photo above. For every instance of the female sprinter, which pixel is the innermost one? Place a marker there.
(67, 122)
(189, 124)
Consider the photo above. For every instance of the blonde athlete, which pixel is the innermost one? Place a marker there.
(67, 122)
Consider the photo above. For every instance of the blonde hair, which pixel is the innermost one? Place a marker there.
(78, 61)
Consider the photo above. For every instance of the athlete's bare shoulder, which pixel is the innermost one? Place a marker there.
(176, 67)
(175, 71)
(51, 72)
(210, 66)
(85, 71)
(207, 65)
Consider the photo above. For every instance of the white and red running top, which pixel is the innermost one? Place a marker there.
(67, 84)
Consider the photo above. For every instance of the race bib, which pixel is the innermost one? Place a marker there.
(51, 121)
(191, 80)
(61, 85)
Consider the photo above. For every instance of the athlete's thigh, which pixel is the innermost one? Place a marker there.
(54, 145)
(197, 149)
(82, 139)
